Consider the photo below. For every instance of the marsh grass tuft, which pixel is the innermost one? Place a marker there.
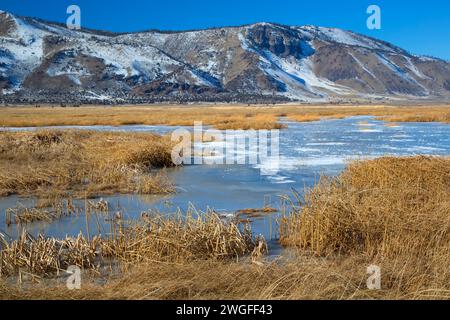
(175, 239)
(53, 163)
(387, 206)
(44, 211)
(393, 211)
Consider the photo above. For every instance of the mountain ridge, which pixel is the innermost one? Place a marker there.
(42, 61)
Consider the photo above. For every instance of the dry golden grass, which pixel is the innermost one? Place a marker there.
(220, 117)
(385, 113)
(156, 238)
(392, 212)
(303, 278)
(41, 256)
(304, 117)
(307, 278)
(388, 209)
(49, 210)
(83, 163)
(387, 206)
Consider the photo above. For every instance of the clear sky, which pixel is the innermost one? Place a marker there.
(422, 27)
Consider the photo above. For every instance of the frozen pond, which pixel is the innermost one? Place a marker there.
(307, 150)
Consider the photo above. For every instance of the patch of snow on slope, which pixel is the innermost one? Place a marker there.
(350, 38)
(62, 31)
(132, 61)
(426, 58)
(25, 49)
(399, 71)
(207, 58)
(362, 65)
(341, 36)
(204, 79)
(95, 96)
(410, 65)
(30, 40)
(301, 70)
(296, 74)
(244, 43)
(73, 70)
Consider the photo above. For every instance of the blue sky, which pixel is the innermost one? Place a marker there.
(422, 27)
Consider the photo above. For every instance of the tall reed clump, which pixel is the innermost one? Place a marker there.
(47, 211)
(181, 238)
(175, 239)
(44, 256)
(395, 211)
(52, 162)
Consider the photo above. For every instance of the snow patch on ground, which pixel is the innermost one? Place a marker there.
(362, 65)
(410, 65)
(399, 71)
(131, 61)
(296, 74)
(341, 36)
(71, 69)
(299, 72)
(349, 38)
(25, 51)
(100, 97)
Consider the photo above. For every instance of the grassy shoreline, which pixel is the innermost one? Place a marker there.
(218, 116)
(51, 163)
(391, 212)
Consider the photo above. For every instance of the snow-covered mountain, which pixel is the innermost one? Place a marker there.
(46, 62)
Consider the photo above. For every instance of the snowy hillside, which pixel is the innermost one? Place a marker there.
(42, 61)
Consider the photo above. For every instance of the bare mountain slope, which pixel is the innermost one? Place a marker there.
(43, 61)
